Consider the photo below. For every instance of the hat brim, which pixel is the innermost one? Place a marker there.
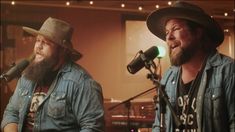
(74, 54)
(156, 22)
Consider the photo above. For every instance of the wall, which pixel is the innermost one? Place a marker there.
(99, 35)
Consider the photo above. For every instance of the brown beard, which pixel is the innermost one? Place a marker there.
(38, 71)
(184, 55)
(180, 58)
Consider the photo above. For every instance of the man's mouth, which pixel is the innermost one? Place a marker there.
(174, 46)
(38, 57)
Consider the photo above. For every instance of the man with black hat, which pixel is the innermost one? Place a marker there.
(55, 93)
(200, 82)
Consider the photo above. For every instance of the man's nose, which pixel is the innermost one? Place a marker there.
(38, 45)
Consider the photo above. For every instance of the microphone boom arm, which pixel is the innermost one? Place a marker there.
(163, 100)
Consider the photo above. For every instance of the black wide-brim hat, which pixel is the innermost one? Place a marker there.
(157, 19)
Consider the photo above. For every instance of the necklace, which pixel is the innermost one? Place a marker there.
(188, 98)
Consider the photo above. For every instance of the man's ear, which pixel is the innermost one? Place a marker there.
(199, 33)
(65, 53)
(205, 40)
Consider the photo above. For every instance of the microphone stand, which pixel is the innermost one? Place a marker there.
(3, 85)
(163, 97)
(127, 104)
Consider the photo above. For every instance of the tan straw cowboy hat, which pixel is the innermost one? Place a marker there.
(157, 19)
(59, 32)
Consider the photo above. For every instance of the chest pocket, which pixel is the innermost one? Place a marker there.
(56, 105)
(23, 94)
(214, 101)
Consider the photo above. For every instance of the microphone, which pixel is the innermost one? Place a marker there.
(17, 69)
(136, 64)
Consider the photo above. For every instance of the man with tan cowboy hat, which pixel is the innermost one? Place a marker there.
(54, 93)
(200, 82)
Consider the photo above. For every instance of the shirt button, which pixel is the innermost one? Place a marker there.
(173, 82)
(213, 96)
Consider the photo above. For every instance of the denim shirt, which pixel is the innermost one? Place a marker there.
(215, 105)
(74, 102)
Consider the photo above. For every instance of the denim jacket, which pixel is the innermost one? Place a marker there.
(74, 103)
(215, 106)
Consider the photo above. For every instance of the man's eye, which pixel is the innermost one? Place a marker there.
(166, 32)
(176, 28)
